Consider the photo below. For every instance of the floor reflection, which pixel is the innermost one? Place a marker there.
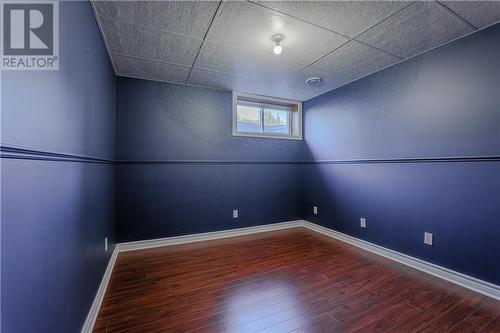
(259, 303)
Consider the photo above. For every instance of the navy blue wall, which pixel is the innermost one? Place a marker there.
(57, 187)
(182, 172)
(443, 106)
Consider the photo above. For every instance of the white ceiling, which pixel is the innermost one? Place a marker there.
(228, 44)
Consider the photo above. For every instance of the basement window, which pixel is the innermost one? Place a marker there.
(266, 117)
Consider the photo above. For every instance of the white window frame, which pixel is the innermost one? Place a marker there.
(295, 118)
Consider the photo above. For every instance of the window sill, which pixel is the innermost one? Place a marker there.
(267, 136)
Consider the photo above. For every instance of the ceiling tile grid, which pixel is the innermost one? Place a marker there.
(418, 27)
(354, 59)
(478, 13)
(248, 26)
(344, 17)
(227, 59)
(190, 18)
(228, 44)
(137, 41)
(288, 88)
(154, 70)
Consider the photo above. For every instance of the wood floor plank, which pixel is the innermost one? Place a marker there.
(493, 326)
(326, 324)
(282, 281)
(487, 311)
(464, 327)
(382, 321)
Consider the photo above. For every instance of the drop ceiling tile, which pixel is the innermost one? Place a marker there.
(232, 82)
(416, 28)
(127, 39)
(354, 60)
(243, 63)
(190, 18)
(150, 70)
(345, 17)
(248, 26)
(216, 79)
(479, 13)
(282, 87)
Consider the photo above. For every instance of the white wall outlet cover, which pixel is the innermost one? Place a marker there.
(362, 222)
(106, 244)
(235, 213)
(315, 210)
(428, 238)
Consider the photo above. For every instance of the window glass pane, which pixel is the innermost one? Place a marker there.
(248, 119)
(276, 121)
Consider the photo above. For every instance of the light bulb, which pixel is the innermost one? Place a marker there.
(277, 48)
(277, 43)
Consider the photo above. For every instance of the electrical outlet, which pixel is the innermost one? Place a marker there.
(428, 238)
(362, 222)
(315, 210)
(235, 213)
(106, 244)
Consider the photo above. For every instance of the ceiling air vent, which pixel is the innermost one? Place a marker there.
(314, 81)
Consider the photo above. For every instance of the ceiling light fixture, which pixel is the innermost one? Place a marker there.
(314, 81)
(277, 43)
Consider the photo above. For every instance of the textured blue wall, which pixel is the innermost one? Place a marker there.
(443, 104)
(56, 210)
(160, 126)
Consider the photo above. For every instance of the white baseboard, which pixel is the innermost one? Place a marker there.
(96, 304)
(482, 287)
(466, 281)
(147, 244)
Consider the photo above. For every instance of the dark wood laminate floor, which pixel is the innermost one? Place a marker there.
(293, 280)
